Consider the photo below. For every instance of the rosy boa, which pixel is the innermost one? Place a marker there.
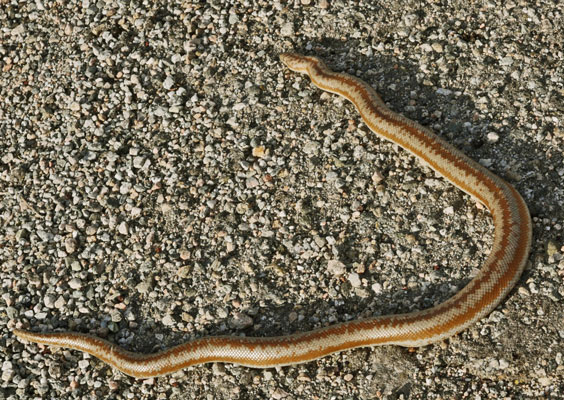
(501, 270)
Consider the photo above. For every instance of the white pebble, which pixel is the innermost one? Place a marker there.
(167, 320)
(49, 301)
(287, 29)
(377, 288)
(493, 137)
(354, 279)
(70, 245)
(123, 228)
(336, 267)
(168, 83)
(75, 283)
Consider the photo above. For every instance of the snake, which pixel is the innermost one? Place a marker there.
(491, 284)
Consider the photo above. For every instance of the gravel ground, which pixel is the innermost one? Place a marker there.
(164, 177)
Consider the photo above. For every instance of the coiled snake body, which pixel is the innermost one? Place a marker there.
(500, 272)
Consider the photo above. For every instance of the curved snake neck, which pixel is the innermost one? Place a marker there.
(500, 272)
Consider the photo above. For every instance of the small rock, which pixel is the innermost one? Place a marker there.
(287, 29)
(545, 381)
(444, 92)
(60, 303)
(83, 364)
(377, 288)
(312, 147)
(331, 176)
(7, 375)
(168, 83)
(168, 320)
(437, 47)
(252, 182)
(123, 228)
(336, 267)
(258, 151)
(18, 30)
(523, 291)
(75, 283)
(138, 162)
(44, 235)
(377, 177)
(49, 301)
(233, 19)
(354, 279)
(493, 137)
(125, 187)
(70, 245)
(279, 394)
(144, 286)
(551, 248)
(116, 316)
(218, 369)
(185, 254)
(240, 321)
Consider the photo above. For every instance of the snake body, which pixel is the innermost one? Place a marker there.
(500, 272)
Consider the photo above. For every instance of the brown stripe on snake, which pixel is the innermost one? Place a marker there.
(500, 272)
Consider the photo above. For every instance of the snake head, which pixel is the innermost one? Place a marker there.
(297, 62)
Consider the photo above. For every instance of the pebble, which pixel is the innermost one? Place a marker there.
(259, 151)
(75, 283)
(49, 301)
(123, 228)
(551, 248)
(279, 394)
(492, 137)
(168, 320)
(83, 364)
(287, 29)
(437, 47)
(449, 210)
(240, 321)
(7, 375)
(312, 147)
(331, 176)
(354, 279)
(377, 288)
(70, 245)
(18, 30)
(143, 287)
(60, 303)
(168, 83)
(336, 267)
(44, 235)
